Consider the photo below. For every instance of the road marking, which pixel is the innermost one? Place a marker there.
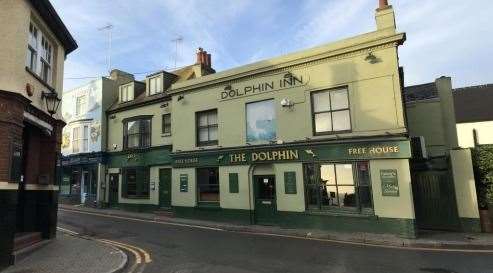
(138, 259)
(147, 256)
(67, 231)
(142, 220)
(487, 251)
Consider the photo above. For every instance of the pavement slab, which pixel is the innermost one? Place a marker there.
(71, 254)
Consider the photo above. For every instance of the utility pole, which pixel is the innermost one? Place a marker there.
(178, 40)
(108, 27)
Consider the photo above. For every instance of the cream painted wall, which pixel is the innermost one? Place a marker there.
(465, 188)
(238, 200)
(15, 16)
(183, 199)
(390, 206)
(115, 126)
(374, 94)
(425, 119)
(290, 202)
(484, 131)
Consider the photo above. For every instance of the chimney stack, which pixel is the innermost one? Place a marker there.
(203, 58)
(383, 4)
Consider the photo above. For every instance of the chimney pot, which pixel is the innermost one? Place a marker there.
(383, 4)
(209, 63)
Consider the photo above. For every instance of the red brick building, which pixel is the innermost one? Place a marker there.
(31, 84)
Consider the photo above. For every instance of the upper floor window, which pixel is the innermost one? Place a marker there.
(137, 133)
(80, 105)
(206, 127)
(155, 85)
(331, 111)
(80, 139)
(39, 54)
(261, 121)
(126, 93)
(166, 124)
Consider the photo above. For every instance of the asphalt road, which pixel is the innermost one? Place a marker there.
(186, 249)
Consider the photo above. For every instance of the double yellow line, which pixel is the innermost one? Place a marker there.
(141, 256)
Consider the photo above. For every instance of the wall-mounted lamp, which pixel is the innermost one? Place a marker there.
(180, 97)
(286, 103)
(164, 105)
(371, 58)
(112, 116)
(52, 101)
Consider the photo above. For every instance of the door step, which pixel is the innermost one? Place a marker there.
(164, 212)
(26, 239)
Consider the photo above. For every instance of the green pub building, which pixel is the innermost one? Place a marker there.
(312, 139)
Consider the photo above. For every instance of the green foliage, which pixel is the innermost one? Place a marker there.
(482, 160)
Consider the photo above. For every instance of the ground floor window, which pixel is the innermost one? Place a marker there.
(337, 186)
(208, 185)
(135, 182)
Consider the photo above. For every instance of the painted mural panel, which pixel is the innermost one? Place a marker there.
(82, 111)
(261, 121)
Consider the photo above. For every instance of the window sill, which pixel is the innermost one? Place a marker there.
(47, 85)
(208, 205)
(165, 135)
(137, 197)
(329, 133)
(342, 213)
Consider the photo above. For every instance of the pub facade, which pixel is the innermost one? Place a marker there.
(313, 139)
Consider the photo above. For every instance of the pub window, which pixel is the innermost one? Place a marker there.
(208, 185)
(75, 139)
(166, 124)
(39, 57)
(206, 127)
(46, 60)
(126, 93)
(338, 185)
(137, 133)
(155, 85)
(32, 48)
(135, 182)
(331, 111)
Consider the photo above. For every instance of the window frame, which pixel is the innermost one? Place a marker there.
(320, 208)
(313, 113)
(198, 191)
(198, 127)
(139, 192)
(82, 140)
(128, 89)
(166, 125)
(159, 80)
(78, 109)
(125, 132)
(276, 114)
(40, 55)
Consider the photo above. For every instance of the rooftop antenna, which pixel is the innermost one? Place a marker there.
(177, 40)
(108, 27)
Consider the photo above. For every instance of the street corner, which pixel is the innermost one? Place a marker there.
(69, 253)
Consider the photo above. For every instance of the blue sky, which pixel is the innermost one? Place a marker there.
(444, 37)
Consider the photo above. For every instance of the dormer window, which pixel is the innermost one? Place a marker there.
(126, 92)
(155, 85)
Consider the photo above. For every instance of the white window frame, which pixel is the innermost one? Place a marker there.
(155, 85)
(126, 92)
(80, 138)
(40, 51)
(80, 109)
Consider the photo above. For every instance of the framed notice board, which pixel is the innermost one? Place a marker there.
(390, 183)
(290, 183)
(183, 182)
(233, 183)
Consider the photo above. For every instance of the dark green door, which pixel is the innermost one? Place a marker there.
(164, 187)
(265, 199)
(434, 200)
(113, 189)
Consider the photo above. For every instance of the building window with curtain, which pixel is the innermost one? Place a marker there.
(135, 182)
(330, 111)
(137, 133)
(345, 186)
(155, 85)
(126, 92)
(166, 129)
(207, 127)
(208, 186)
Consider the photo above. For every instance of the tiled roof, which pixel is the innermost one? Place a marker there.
(420, 92)
(474, 103)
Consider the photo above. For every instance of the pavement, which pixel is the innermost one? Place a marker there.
(177, 247)
(426, 239)
(71, 254)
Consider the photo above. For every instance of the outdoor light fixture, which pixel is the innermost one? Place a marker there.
(286, 103)
(52, 101)
(180, 97)
(371, 58)
(112, 116)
